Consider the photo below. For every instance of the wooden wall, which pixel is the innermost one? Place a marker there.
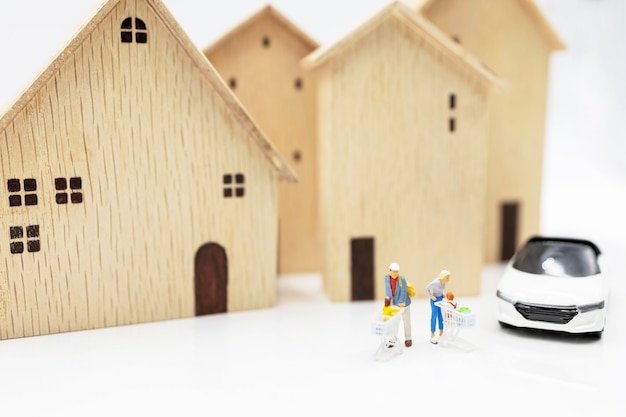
(151, 141)
(260, 62)
(519, 54)
(391, 169)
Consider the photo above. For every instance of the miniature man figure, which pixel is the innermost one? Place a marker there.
(396, 288)
(436, 290)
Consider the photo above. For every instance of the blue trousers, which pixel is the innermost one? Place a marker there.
(435, 315)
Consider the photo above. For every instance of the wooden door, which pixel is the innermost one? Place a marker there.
(211, 279)
(362, 268)
(509, 224)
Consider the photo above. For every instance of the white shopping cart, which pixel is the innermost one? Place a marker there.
(453, 321)
(386, 328)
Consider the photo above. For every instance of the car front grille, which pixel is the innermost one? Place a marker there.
(549, 314)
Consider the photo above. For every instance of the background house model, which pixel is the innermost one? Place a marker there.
(403, 135)
(136, 187)
(516, 41)
(260, 60)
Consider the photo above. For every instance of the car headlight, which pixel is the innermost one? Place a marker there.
(505, 297)
(591, 307)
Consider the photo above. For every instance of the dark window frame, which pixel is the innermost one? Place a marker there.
(22, 192)
(133, 26)
(75, 187)
(234, 185)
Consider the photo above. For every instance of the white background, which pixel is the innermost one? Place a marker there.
(308, 356)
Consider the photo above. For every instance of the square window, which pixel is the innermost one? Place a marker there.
(228, 192)
(127, 37)
(33, 246)
(17, 232)
(239, 192)
(30, 199)
(61, 198)
(76, 183)
(239, 179)
(17, 247)
(228, 179)
(141, 37)
(32, 231)
(77, 198)
(30, 184)
(60, 184)
(15, 200)
(13, 185)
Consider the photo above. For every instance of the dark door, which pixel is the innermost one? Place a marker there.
(211, 279)
(362, 268)
(508, 239)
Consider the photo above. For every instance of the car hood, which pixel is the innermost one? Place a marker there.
(550, 290)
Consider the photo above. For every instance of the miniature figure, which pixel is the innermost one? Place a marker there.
(449, 301)
(396, 288)
(435, 291)
(388, 309)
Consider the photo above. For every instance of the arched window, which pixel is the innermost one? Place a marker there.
(139, 29)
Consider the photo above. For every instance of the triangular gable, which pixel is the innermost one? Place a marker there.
(543, 25)
(553, 39)
(398, 10)
(199, 60)
(267, 11)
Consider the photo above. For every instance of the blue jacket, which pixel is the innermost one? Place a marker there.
(402, 295)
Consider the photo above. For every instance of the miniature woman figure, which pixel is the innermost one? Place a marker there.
(435, 291)
(396, 289)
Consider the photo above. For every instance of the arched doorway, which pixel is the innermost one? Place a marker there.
(211, 279)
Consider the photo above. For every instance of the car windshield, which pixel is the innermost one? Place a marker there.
(556, 258)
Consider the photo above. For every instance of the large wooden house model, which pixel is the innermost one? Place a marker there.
(403, 124)
(514, 39)
(135, 186)
(260, 60)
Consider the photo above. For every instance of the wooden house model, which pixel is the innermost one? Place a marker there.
(260, 61)
(403, 123)
(514, 39)
(135, 186)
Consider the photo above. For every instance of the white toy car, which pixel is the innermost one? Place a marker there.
(555, 284)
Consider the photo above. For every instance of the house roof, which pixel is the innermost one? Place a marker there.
(199, 60)
(267, 11)
(420, 25)
(535, 14)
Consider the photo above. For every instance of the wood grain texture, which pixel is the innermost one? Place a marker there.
(520, 53)
(389, 166)
(260, 59)
(151, 130)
